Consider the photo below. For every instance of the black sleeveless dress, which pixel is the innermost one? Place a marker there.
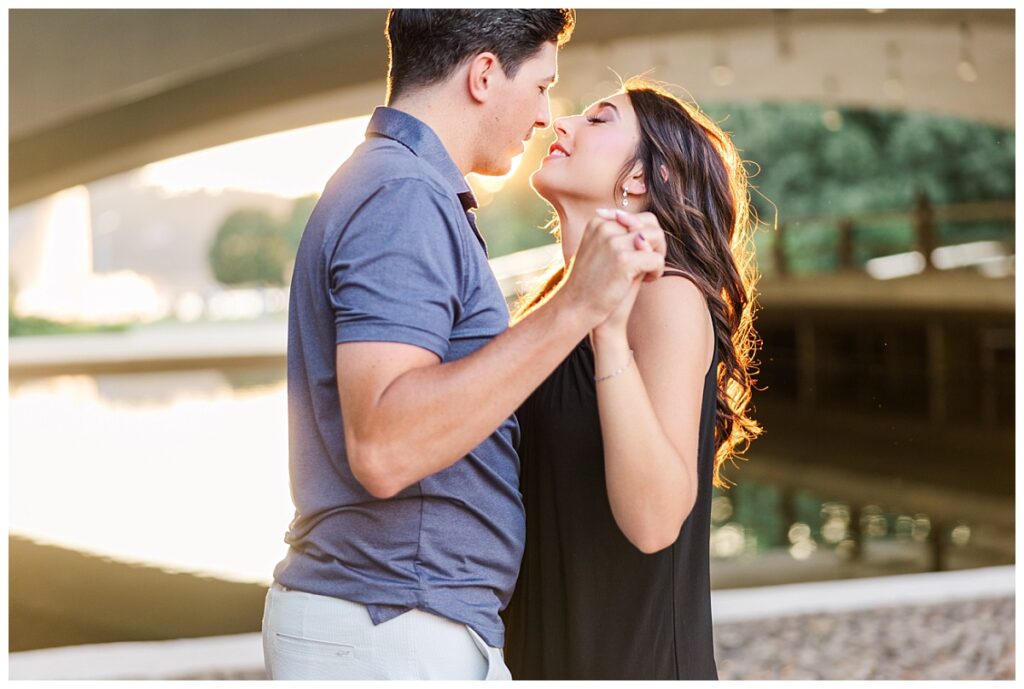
(588, 604)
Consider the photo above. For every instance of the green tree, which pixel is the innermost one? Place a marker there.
(250, 248)
(514, 220)
(294, 225)
(877, 160)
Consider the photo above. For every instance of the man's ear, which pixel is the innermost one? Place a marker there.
(481, 74)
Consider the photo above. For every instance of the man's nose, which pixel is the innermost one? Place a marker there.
(544, 116)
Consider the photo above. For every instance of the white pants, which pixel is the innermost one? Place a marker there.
(306, 636)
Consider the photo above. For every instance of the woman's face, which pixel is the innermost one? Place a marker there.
(584, 163)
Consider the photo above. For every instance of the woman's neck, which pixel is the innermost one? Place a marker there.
(573, 217)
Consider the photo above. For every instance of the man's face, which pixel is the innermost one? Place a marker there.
(519, 105)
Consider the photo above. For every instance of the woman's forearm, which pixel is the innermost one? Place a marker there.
(649, 482)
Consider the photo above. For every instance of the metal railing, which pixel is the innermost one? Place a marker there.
(923, 217)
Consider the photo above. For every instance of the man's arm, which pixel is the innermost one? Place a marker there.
(408, 416)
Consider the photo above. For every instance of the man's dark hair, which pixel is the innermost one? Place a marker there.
(426, 46)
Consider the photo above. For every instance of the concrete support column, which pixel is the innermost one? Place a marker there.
(807, 364)
(938, 384)
(992, 340)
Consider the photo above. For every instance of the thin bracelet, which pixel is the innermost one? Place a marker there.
(612, 375)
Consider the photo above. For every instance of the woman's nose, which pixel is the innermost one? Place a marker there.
(562, 125)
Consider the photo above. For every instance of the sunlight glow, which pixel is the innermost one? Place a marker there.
(896, 265)
(63, 286)
(494, 184)
(292, 163)
(970, 254)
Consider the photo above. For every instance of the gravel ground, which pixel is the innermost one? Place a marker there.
(957, 640)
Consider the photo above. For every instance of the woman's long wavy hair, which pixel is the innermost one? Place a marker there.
(703, 205)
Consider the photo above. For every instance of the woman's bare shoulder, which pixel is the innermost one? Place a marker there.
(672, 298)
(671, 314)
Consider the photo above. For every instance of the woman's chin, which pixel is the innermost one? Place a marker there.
(540, 185)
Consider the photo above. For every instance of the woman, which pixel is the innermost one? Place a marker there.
(621, 444)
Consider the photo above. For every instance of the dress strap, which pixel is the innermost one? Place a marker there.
(680, 273)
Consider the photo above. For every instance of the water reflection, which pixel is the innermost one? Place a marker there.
(188, 470)
(961, 534)
(756, 520)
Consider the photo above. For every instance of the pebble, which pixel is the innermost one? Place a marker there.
(951, 641)
(956, 640)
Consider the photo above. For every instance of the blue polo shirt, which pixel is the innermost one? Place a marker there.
(391, 254)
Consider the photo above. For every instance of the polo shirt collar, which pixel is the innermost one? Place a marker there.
(419, 138)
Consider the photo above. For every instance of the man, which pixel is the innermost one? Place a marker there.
(403, 376)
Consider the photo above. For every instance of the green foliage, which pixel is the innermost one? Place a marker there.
(877, 160)
(514, 220)
(252, 248)
(28, 327)
(18, 326)
(758, 508)
(296, 221)
(954, 161)
(800, 170)
(249, 248)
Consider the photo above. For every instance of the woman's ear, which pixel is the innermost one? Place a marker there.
(664, 172)
(636, 182)
(480, 75)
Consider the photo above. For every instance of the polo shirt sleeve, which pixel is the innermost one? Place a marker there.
(396, 272)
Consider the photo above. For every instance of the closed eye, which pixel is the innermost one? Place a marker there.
(603, 108)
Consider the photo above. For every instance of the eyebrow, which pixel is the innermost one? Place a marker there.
(552, 80)
(606, 104)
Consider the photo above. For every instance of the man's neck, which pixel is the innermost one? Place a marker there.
(455, 135)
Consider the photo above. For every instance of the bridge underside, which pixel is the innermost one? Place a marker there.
(97, 92)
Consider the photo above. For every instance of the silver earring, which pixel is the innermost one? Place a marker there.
(625, 197)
